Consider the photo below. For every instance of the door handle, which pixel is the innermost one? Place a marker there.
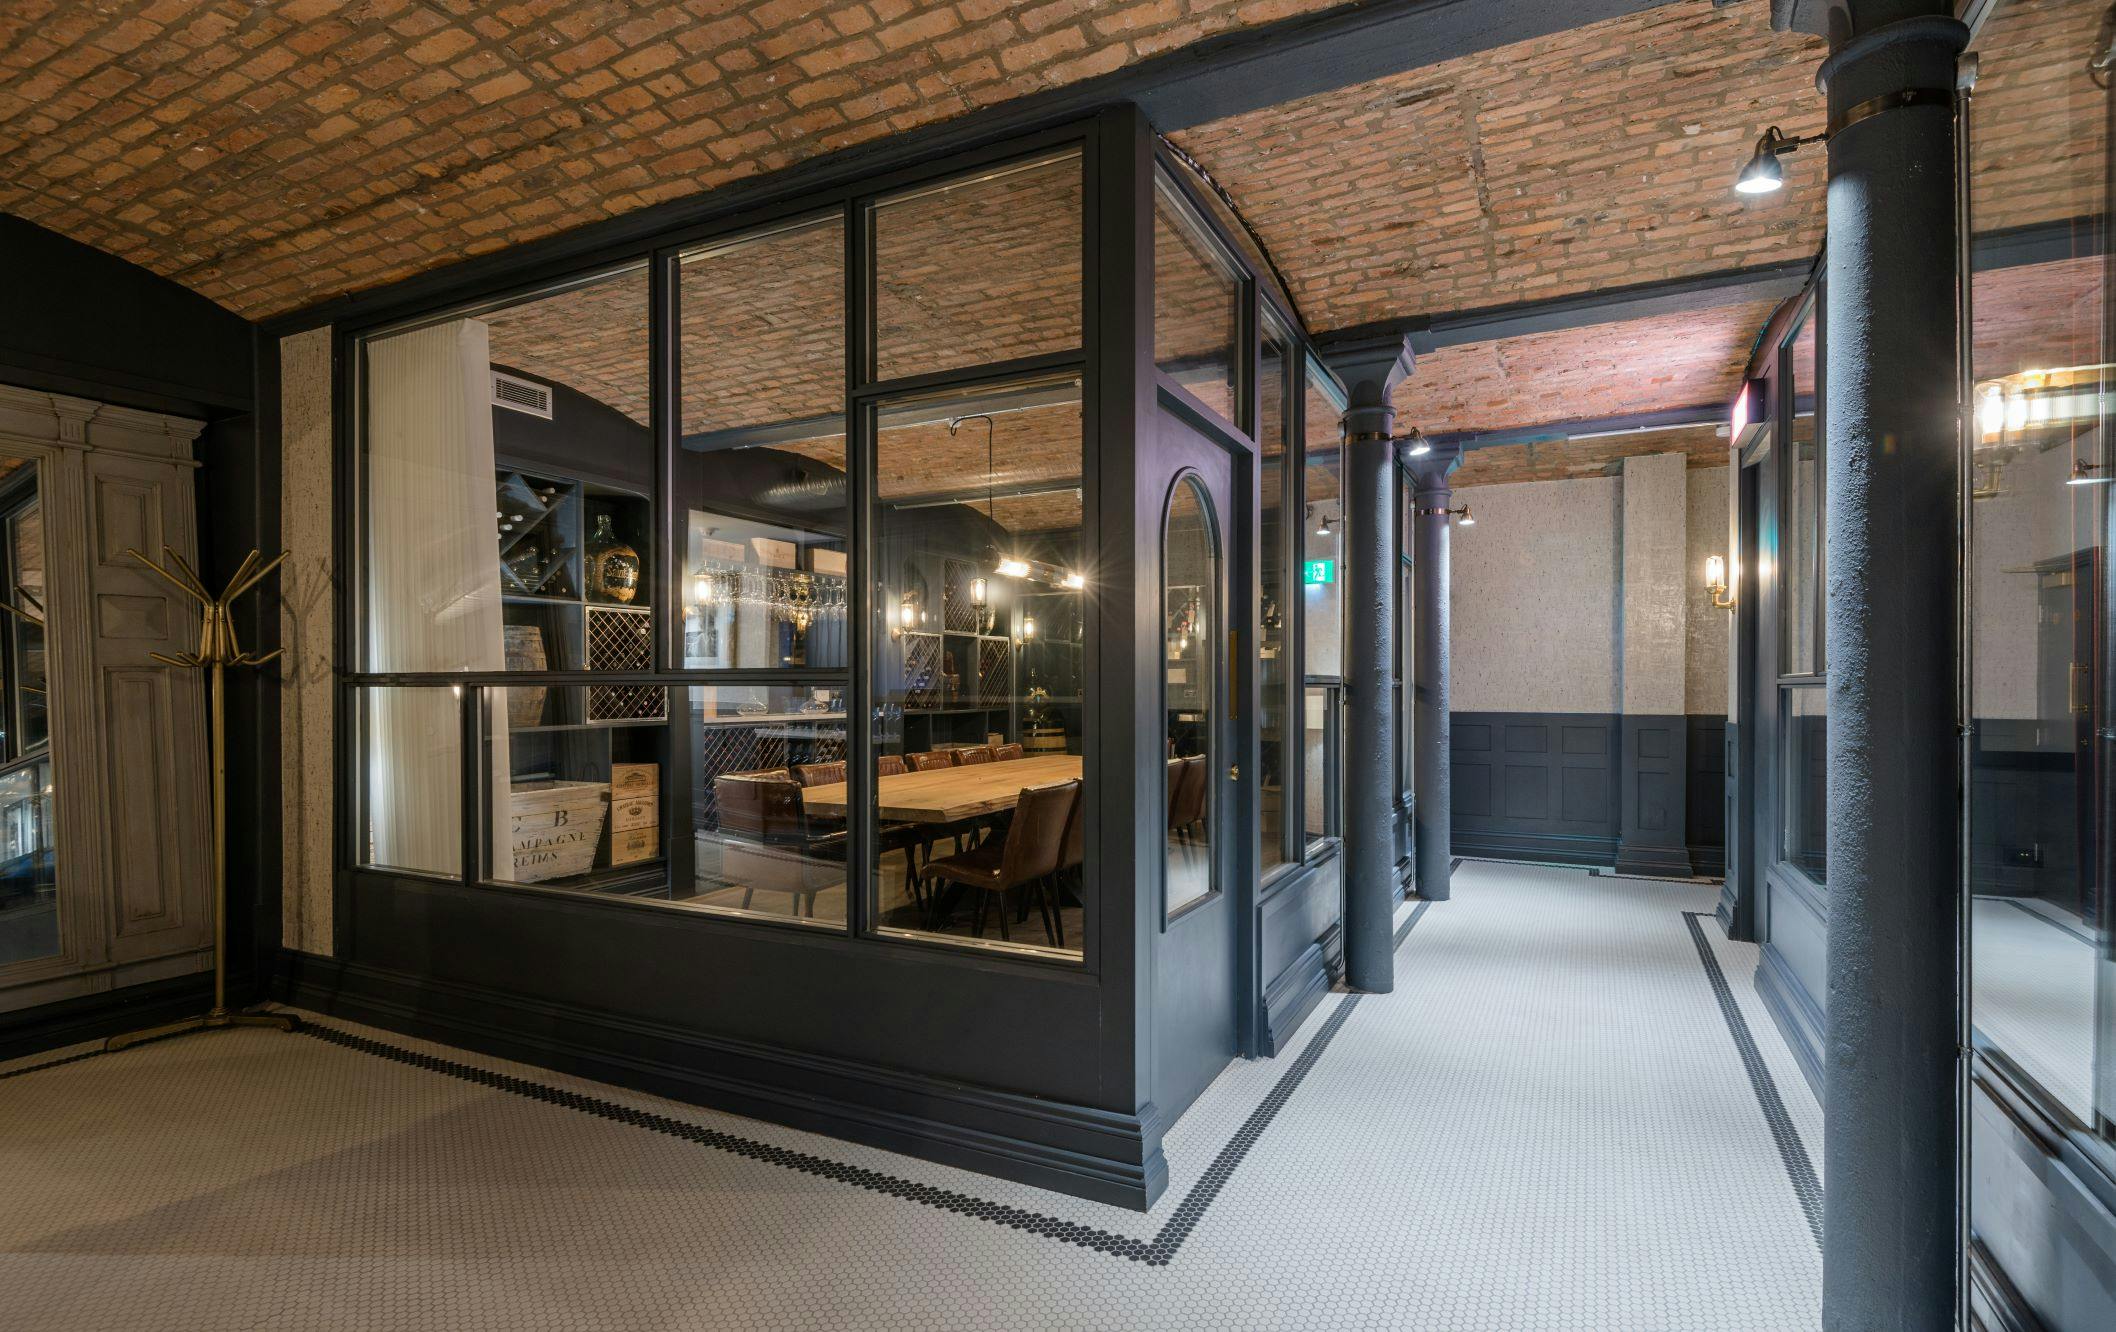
(1234, 772)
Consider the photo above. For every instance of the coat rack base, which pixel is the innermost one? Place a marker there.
(218, 1018)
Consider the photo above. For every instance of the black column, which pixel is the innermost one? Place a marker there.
(1370, 372)
(1433, 777)
(1890, 420)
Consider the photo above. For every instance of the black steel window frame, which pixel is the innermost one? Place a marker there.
(1333, 686)
(1808, 321)
(661, 253)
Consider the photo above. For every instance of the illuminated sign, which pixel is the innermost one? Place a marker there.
(1319, 571)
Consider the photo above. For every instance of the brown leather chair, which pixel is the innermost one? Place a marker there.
(771, 845)
(820, 774)
(971, 756)
(932, 762)
(764, 805)
(1186, 806)
(1027, 856)
(1008, 753)
(1072, 852)
(888, 765)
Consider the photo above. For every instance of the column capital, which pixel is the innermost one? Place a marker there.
(1430, 471)
(1370, 369)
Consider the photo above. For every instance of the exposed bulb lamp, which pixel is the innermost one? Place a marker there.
(1012, 568)
(1716, 581)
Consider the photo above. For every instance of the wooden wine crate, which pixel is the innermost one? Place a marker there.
(633, 781)
(634, 844)
(626, 815)
(557, 827)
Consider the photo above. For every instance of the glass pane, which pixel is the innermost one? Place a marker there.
(983, 268)
(1323, 515)
(980, 603)
(760, 479)
(2040, 851)
(411, 779)
(1197, 306)
(530, 422)
(29, 885)
(1190, 674)
(769, 801)
(1272, 609)
(1800, 563)
(1804, 807)
(576, 803)
(1320, 723)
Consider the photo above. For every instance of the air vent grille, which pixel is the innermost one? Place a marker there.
(521, 395)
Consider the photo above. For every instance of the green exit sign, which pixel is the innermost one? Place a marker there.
(1319, 571)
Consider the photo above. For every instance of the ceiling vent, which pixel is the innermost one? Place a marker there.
(521, 395)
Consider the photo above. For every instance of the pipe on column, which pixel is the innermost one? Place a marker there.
(1370, 373)
(1890, 1046)
(1433, 493)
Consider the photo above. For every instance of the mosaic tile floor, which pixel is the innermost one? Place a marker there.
(1549, 1125)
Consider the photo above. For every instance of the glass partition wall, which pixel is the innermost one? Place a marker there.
(683, 615)
(2042, 390)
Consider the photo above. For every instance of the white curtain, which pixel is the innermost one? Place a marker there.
(433, 592)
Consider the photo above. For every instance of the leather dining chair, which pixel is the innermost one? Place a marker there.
(972, 756)
(1186, 808)
(1008, 753)
(1026, 857)
(931, 762)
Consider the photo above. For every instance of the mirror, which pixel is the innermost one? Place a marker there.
(29, 900)
(1190, 671)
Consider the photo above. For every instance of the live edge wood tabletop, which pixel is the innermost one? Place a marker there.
(950, 795)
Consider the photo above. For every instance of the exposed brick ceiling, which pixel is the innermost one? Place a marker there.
(270, 153)
(1591, 159)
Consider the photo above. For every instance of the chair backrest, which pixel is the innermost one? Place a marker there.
(1074, 848)
(763, 805)
(820, 774)
(888, 765)
(973, 755)
(1008, 753)
(1172, 782)
(930, 762)
(1189, 804)
(1037, 834)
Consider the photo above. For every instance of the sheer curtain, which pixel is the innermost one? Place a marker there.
(433, 592)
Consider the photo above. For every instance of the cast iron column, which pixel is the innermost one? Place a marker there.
(1889, 1137)
(1433, 778)
(1370, 372)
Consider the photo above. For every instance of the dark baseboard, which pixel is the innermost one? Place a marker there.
(1102, 1155)
(1798, 1020)
(1555, 849)
(1709, 861)
(1293, 995)
(1653, 862)
(91, 1017)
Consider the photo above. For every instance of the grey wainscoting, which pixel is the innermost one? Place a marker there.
(1549, 786)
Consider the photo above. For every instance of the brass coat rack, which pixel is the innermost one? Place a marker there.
(218, 649)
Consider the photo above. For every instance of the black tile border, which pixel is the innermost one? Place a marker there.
(52, 1063)
(1799, 1169)
(1157, 1252)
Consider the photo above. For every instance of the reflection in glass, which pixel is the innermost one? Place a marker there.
(29, 901)
(1323, 521)
(1274, 607)
(1190, 674)
(980, 604)
(2041, 411)
(1801, 570)
(1197, 305)
(984, 267)
(1804, 806)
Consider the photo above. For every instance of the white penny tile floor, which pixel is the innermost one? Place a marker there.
(1572, 1113)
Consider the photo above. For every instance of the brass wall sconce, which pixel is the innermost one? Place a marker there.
(1716, 582)
(1467, 518)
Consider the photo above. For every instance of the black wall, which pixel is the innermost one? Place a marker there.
(80, 322)
(1547, 786)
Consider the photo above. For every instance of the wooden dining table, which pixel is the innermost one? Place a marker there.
(950, 795)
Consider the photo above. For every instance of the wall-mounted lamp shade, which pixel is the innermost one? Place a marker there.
(1415, 444)
(1322, 528)
(907, 614)
(1991, 412)
(1468, 519)
(1763, 172)
(1716, 572)
(1013, 568)
(980, 591)
(701, 589)
(2085, 473)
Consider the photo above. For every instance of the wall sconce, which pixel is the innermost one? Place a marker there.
(1716, 581)
(906, 617)
(1468, 519)
(1012, 568)
(2085, 473)
(980, 591)
(1028, 627)
(1073, 582)
(1415, 444)
(1762, 173)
